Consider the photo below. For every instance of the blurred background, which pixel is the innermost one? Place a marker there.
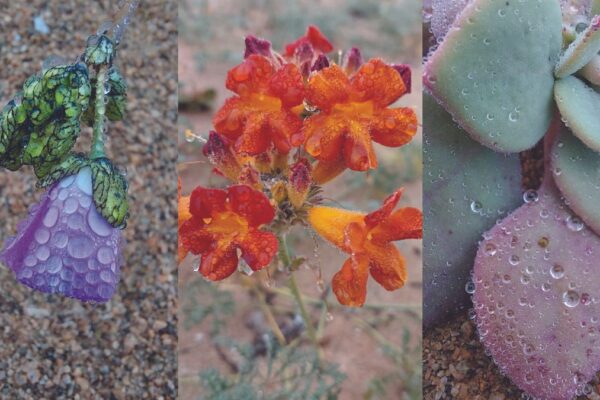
(59, 348)
(226, 349)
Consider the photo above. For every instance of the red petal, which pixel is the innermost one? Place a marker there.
(252, 75)
(259, 248)
(405, 223)
(318, 40)
(387, 266)
(204, 202)
(219, 264)
(254, 139)
(378, 216)
(358, 149)
(229, 120)
(324, 136)
(287, 84)
(283, 127)
(251, 204)
(193, 237)
(378, 82)
(350, 283)
(328, 87)
(394, 127)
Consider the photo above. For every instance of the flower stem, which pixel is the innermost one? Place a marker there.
(284, 255)
(264, 307)
(97, 150)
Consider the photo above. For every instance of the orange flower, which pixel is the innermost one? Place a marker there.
(261, 115)
(354, 111)
(368, 239)
(226, 223)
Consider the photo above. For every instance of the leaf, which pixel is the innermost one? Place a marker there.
(100, 50)
(466, 189)
(12, 135)
(535, 297)
(117, 98)
(494, 71)
(69, 166)
(110, 192)
(579, 106)
(576, 171)
(581, 50)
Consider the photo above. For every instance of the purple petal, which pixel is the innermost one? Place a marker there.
(320, 63)
(65, 246)
(352, 60)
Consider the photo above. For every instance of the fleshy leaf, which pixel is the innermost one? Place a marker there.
(492, 74)
(536, 297)
(581, 50)
(576, 171)
(466, 189)
(41, 129)
(69, 166)
(579, 106)
(100, 50)
(443, 14)
(110, 192)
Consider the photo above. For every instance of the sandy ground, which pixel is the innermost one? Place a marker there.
(343, 341)
(53, 347)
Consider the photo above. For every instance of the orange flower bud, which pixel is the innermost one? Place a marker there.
(219, 152)
(299, 182)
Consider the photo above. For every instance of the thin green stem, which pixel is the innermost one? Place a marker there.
(99, 114)
(284, 255)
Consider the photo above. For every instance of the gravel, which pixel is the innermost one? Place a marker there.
(54, 347)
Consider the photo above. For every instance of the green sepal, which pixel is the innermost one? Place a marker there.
(110, 192)
(100, 50)
(117, 98)
(69, 166)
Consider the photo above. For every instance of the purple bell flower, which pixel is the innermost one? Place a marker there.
(66, 246)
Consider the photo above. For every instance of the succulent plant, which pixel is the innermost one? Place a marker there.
(507, 73)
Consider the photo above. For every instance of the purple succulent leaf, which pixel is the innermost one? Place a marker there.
(65, 246)
(536, 297)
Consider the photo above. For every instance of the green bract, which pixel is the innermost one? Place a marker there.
(100, 50)
(117, 98)
(110, 191)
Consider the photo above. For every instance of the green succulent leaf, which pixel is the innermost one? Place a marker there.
(110, 192)
(581, 51)
(42, 127)
(13, 135)
(69, 166)
(579, 106)
(494, 71)
(100, 50)
(576, 170)
(466, 188)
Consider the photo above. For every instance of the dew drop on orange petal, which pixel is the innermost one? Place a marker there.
(368, 68)
(390, 123)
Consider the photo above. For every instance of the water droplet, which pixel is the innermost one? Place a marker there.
(530, 196)
(490, 249)
(476, 207)
(557, 271)
(470, 287)
(570, 298)
(574, 223)
(514, 260)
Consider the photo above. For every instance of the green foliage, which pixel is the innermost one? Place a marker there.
(292, 373)
(100, 50)
(110, 192)
(69, 166)
(41, 129)
(117, 98)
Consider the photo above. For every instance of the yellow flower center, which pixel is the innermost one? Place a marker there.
(265, 102)
(227, 225)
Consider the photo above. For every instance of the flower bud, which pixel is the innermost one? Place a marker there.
(404, 71)
(218, 150)
(299, 182)
(352, 60)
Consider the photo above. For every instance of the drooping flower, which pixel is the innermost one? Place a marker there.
(225, 224)
(368, 239)
(65, 245)
(353, 113)
(261, 115)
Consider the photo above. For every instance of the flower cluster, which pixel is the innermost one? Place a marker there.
(296, 121)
